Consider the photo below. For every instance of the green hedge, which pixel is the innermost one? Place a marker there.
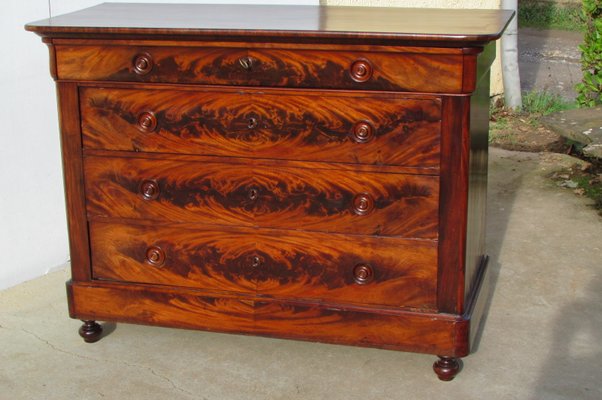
(589, 91)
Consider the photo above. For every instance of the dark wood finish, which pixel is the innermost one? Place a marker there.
(453, 204)
(446, 368)
(289, 198)
(90, 331)
(477, 170)
(273, 23)
(313, 173)
(73, 175)
(302, 265)
(271, 67)
(313, 126)
(478, 300)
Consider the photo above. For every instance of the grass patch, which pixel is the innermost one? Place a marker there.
(544, 103)
(535, 105)
(522, 129)
(592, 188)
(542, 15)
(499, 135)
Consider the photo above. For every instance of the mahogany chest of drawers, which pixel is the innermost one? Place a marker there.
(314, 173)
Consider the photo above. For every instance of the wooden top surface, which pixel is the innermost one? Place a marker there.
(198, 21)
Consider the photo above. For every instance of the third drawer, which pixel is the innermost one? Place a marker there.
(216, 193)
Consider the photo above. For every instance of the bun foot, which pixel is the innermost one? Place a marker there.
(90, 331)
(446, 368)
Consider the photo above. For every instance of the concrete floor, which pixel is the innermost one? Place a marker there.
(541, 339)
(550, 60)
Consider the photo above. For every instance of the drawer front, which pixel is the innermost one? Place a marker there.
(424, 72)
(314, 266)
(384, 129)
(283, 197)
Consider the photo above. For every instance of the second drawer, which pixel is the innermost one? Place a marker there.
(326, 200)
(380, 129)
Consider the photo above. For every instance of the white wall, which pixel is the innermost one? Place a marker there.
(33, 236)
(33, 230)
(58, 7)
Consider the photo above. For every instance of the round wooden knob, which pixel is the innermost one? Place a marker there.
(246, 63)
(256, 261)
(363, 132)
(155, 256)
(149, 189)
(363, 204)
(147, 122)
(361, 70)
(143, 64)
(363, 273)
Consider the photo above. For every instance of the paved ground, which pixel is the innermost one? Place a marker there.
(541, 340)
(549, 60)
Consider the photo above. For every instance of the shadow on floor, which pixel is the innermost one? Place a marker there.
(500, 200)
(572, 369)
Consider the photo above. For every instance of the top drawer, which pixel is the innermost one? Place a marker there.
(403, 71)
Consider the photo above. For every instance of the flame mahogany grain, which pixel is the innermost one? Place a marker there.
(313, 173)
(272, 67)
(302, 265)
(296, 126)
(284, 197)
(440, 334)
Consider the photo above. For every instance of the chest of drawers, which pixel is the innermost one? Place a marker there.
(314, 173)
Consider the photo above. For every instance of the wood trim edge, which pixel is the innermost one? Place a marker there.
(440, 334)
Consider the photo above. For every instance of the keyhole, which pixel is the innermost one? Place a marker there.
(255, 262)
(246, 63)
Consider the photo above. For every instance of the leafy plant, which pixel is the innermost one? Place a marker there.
(589, 90)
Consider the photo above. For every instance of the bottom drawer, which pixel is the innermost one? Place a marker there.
(303, 265)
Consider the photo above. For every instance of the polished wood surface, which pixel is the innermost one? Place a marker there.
(194, 20)
(314, 173)
(290, 198)
(90, 331)
(411, 71)
(350, 127)
(441, 334)
(446, 368)
(477, 173)
(301, 265)
(73, 177)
